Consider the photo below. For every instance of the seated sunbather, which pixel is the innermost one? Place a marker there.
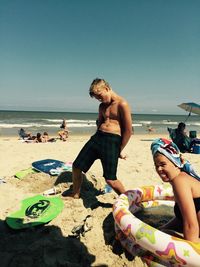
(63, 135)
(181, 139)
(23, 134)
(39, 138)
(46, 138)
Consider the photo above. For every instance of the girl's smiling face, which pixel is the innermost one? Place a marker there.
(165, 168)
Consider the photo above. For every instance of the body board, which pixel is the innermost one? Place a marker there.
(46, 165)
(34, 211)
(23, 173)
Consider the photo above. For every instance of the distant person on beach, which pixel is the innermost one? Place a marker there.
(114, 129)
(171, 168)
(63, 125)
(46, 138)
(150, 129)
(180, 138)
(23, 134)
(63, 134)
(38, 138)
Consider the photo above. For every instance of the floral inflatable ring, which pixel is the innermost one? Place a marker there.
(135, 235)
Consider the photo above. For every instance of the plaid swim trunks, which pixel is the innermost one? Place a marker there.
(103, 146)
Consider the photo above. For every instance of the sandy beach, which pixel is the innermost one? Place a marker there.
(52, 244)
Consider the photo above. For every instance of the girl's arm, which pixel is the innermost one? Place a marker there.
(184, 198)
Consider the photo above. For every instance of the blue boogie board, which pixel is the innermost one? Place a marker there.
(46, 165)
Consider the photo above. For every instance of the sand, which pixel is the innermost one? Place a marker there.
(52, 244)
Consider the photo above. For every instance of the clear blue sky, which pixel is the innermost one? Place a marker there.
(51, 50)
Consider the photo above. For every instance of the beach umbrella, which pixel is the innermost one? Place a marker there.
(190, 107)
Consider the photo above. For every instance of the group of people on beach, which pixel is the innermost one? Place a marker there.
(114, 129)
(44, 137)
(38, 138)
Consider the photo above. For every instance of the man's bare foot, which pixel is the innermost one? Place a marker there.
(69, 193)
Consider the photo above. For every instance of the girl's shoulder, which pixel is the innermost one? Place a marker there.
(182, 178)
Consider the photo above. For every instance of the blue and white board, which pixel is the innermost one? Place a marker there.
(52, 166)
(46, 165)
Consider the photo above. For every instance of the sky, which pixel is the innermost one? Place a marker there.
(51, 50)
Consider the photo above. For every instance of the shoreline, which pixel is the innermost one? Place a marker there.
(85, 134)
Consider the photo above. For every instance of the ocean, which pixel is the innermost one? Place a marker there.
(85, 123)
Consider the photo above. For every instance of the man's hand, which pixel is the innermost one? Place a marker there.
(122, 156)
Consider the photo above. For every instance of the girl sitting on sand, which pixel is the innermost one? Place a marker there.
(38, 138)
(46, 138)
(63, 134)
(186, 187)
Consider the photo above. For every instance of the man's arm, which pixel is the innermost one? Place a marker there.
(100, 119)
(126, 123)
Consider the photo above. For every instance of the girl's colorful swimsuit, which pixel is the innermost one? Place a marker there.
(178, 212)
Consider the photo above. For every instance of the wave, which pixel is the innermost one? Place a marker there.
(137, 124)
(170, 122)
(84, 123)
(146, 122)
(2, 125)
(37, 125)
(70, 121)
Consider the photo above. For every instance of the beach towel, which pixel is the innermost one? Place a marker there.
(172, 152)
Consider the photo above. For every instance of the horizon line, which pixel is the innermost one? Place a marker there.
(92, 112)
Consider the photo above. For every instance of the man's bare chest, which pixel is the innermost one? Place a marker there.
(110, 111)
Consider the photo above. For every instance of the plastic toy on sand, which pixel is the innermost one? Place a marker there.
(158, 248)
(34, 211)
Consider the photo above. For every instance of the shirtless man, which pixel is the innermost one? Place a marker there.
(114, 129)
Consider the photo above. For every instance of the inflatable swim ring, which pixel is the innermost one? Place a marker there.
(158, 248)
